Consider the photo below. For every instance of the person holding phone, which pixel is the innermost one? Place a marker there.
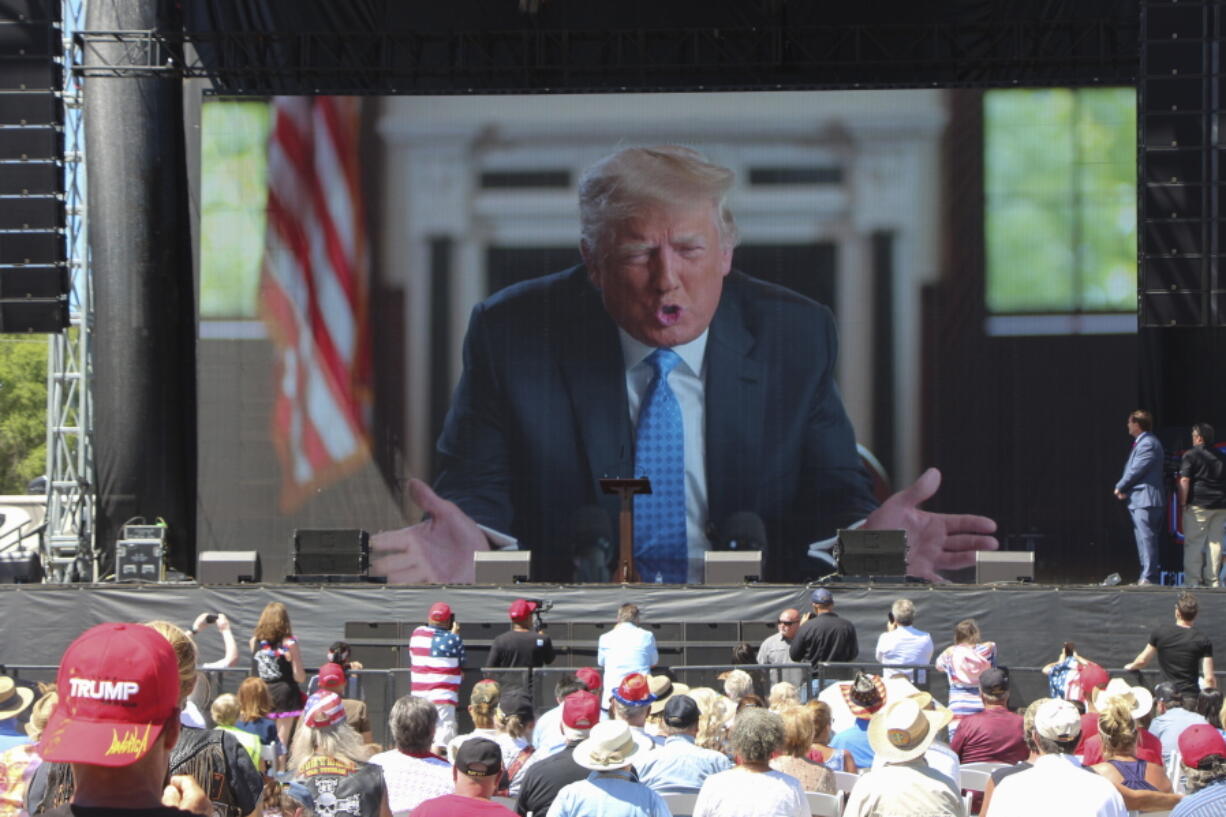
(902, 643)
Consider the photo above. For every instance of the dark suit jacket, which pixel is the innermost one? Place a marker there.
(540, 414)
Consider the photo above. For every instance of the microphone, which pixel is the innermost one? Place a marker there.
(743, 530)
(592, 537)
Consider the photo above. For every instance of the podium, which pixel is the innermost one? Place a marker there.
(626, 489)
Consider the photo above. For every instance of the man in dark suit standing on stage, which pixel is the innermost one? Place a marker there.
(654, 358)
(1141, 487)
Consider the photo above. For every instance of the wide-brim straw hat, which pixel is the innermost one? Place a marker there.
(609, 745)
(903, 730)
(1139, 699)
(13, 699)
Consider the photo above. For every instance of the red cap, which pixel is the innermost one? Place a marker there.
(1092, 677)
(580, 710)
(590, 678)
(520, 609)
(118, 686)
(323, 709)
(1198, 742)
(331, 675)
(634, 690)
(440, 611)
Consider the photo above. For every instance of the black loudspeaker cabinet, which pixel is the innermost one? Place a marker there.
(337, 552)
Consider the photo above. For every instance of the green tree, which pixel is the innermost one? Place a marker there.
(23, 410)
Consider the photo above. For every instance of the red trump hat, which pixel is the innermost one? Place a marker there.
(439, 611)
(520, 609)
(119, 686)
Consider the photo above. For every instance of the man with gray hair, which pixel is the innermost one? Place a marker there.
(413, 775)
(655, 358)
(902, 643)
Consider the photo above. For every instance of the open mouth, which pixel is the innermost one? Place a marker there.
(669, 314)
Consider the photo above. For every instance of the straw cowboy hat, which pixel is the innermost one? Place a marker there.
(903, 730)
(663, 688)
(1139, 699)
(609, 746)
(13, 699)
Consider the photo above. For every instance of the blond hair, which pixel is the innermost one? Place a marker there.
(783, 695)
(621, 185)
(1118, 729)
(185, 653)
(224, 710)
(797, 731)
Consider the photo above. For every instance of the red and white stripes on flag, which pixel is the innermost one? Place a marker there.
(313, 293)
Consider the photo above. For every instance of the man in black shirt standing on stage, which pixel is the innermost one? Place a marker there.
(1183, 651)
(519, 646)
(824, 636)
(1202, 499)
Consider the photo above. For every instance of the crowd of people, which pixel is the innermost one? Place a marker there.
(123, 729)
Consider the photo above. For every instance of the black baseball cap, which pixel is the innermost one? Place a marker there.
(479, 757)
(516, 701)
(681, 712)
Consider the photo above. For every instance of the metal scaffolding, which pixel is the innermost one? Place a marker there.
(68, 542)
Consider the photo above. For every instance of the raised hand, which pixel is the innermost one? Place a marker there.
(438, 550)
(936, 541)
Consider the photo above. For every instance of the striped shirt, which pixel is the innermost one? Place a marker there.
(436, 657)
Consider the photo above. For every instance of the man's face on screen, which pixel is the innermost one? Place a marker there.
(663, 273)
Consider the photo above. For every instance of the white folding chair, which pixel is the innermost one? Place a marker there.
(824, 805)
(974, 779)
(509, 802)
(845, 781)
(988, 766)
(680, 805)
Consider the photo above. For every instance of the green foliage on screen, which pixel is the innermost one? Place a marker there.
(233, 195)
(23, 410)
(1060, 206)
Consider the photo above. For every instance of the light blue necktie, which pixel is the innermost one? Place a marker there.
(659, 454)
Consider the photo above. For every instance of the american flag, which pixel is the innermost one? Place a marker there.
(436, 658)
(313, 293)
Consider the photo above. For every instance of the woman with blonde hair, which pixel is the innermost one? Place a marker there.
(276, 660)
(1120, 764)
(329, 758)
(837, 760)
(783, 695)
(514, 721)
(483, 709)
(794, 753)
(715, 713)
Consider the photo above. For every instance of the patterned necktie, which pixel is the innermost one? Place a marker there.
(659, 455)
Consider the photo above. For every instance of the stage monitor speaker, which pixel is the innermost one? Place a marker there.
(140, 560)
(1004, 566)
(228, 567)
(330, 552)
(20, 566)
(871, 553)
(732, 567)
(502, 566)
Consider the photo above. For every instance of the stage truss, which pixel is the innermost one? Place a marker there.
(68, 541)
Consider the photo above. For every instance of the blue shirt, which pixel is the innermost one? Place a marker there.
(1168, 726)
(855, 740)
(623, 650)
(12, 734)
(608, 794)
(679, 763)
(1208, 802)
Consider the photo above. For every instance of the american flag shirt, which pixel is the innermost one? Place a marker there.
(436, 658)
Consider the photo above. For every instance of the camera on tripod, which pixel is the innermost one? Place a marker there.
(539, 606)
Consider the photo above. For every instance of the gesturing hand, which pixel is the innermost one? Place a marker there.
(936, 541)
(438, 550)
